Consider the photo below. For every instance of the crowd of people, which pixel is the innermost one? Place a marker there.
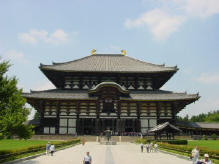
(150, 147)
(195, 157)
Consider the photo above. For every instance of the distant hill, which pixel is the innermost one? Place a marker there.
(209, 117)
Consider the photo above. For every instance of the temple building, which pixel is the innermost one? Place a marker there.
(106, 91)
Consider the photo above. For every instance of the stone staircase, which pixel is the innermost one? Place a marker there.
(87, 138)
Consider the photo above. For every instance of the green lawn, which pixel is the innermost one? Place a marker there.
(18, 144)
(209, 144)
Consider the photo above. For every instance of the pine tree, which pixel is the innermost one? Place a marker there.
(13, 113)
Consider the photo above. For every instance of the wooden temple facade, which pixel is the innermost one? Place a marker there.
(106, 91)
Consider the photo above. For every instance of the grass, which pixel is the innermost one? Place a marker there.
(21, 144)
(8, 144)
(208, 144)
(186, 155)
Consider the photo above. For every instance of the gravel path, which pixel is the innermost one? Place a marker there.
(123, 153)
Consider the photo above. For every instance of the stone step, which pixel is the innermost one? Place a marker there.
(87, 138)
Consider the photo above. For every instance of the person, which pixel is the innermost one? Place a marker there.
(147, 147)
(155, 147)
(206, 160)
(47, 148)
(83, 141)
(142, 147)
(151, 147)
(52, 149)
(87, 159)
(195, 155)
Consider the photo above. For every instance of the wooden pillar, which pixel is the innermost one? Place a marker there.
(57, 117)
(123, 125)
(174, 108)
(78, 126)
(82, 125)
(97, 126)
(133, 125)
(119, 109)
(118, 126)
(103, 124)
(41, 105)
(158, 111)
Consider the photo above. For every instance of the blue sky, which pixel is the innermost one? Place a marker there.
(175, 32)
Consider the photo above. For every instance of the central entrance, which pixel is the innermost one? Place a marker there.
(108, 124)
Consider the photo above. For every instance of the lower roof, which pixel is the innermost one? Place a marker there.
(164, 126)
(56, 94)
(198, 125)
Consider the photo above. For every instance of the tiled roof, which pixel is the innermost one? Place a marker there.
(57, 94)
(161, 95)
(203, 125)
(83, 94)
(108, 63)
(163, 126)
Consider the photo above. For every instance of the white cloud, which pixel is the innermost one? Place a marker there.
(15, 56)
(34, 36)
(207, 78)
(202, 8)
(160, 23)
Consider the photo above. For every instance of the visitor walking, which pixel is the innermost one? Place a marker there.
(147, 147)
(151, 147)
(156, 147)
(83, 141)
(142, 147)
(52, 149)
(87, 159)
(47, 148)
(206, 160)
(195, 155)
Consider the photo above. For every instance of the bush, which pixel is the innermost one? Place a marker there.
(204, 137)
(1, 136)
(214, 136)
(141, 140)
(175, 142)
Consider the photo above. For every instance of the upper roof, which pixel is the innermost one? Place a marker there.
(108, 63)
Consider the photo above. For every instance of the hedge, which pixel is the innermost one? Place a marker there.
(188, 149)
(176, 142)
(6, 155)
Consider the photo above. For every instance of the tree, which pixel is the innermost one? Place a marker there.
(185, 119)
(36, 115)
(13, 113)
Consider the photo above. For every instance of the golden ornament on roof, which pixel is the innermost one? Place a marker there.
(93, 51)
(123, 52)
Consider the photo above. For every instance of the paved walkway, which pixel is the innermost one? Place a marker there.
(123, 153)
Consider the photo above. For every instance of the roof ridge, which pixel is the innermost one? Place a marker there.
(56, 63)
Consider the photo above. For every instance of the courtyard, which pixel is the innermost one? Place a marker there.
(126, 153)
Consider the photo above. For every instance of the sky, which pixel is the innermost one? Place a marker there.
(171, 32)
